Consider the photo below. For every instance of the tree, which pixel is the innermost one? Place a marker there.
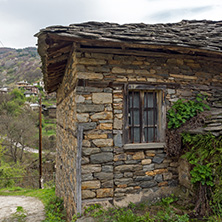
(20, 132)
(17, 124)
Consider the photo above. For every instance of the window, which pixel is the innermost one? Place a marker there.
(144, 117)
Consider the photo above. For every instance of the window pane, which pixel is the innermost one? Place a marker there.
(136, 135)
(150, 135)
(136, 117)
(148, 117)
(144, 113)
(148, 99)
(134, 99)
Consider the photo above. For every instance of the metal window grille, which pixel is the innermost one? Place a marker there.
(143, 117)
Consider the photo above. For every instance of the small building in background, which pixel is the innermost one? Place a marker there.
(3, 90)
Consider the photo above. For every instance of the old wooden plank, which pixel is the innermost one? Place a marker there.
(78, 170)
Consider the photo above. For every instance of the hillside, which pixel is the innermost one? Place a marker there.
(19, 64)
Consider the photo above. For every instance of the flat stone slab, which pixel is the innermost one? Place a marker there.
(34, 208)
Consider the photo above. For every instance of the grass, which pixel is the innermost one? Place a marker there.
(169, 209)
(49, 129)
(162, 211)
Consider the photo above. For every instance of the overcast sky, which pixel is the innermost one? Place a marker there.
(21, 19)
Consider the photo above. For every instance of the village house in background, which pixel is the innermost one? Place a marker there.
(117, 83)
(3, 90)
(31, 90)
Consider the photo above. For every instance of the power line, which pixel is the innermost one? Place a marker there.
(2, 43)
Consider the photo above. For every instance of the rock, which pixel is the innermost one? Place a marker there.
(118, 70)
(120, 157)
(159, 171)
(148, 167)
(139, 156)
(213, 128)
(107, 184)
(158, 178)
(146, 162)
(86, 143)
(88, 108)
(123, 181)
(87, 176)
(83, 117)
(93, 184)
(89, 75)
(103, 142)
(104, 192)
(107, 168)
(88, 126)
(161, 184)
(143, 178)
(157, 159)
(105, 126)
(103, 176)
(102, 98)
(118, 140)
(117, 123)
(96, 136)
(101, 157)
(90, 61)
(102, 115)
(91, 168)
(128, 174)
(89, 151)
(167, 176)
(128, 168)
(118, 175)
(171, 91)
(80, 99)
(85, 160)
(87, 194)
(148, 184)
(150, 173)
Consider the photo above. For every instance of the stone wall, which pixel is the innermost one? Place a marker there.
(66, 141)
(109, 171)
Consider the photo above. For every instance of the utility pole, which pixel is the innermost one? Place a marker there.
(40, 143)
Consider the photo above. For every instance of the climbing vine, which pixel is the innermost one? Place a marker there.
(183, 110)
(204, 152)
(182, 116)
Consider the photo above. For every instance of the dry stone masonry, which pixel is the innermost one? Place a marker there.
(91, 86)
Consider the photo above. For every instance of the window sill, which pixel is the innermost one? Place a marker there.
(144, 146)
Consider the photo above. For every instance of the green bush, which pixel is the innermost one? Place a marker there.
(183, 110)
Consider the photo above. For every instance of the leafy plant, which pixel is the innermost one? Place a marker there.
(201, 173)
(204, 153)
(183, 110)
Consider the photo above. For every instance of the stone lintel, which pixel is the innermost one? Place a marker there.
(144, 146)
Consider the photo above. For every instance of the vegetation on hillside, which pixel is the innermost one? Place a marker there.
(18, 130)
(19, 64)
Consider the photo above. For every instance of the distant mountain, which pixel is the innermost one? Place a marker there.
(19, 64)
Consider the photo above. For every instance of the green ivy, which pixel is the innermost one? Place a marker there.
(205, 154)
(183, 110)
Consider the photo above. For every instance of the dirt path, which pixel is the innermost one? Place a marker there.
(34, 208)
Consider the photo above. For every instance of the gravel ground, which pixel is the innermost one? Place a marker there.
(34, 208)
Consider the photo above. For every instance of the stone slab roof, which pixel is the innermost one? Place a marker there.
(202, 34)
(193, 38)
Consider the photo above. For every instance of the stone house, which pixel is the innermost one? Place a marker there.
(115, 83)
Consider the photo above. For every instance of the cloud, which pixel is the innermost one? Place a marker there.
(175, 14)
(21, 19)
